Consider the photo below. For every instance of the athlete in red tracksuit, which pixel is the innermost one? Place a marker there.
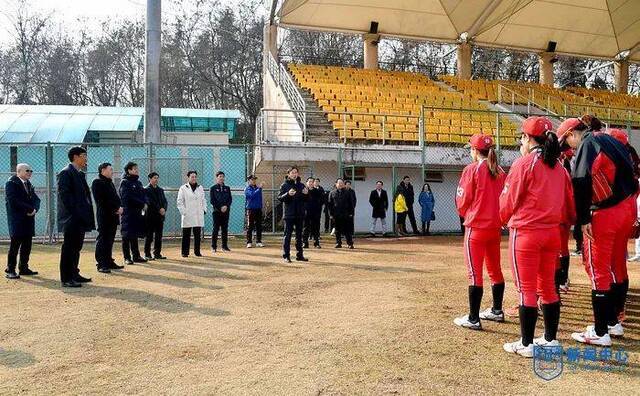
(477, 201)
(605, 197)
(535, 201)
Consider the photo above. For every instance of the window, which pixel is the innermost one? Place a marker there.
(433, 177)
(354, 173)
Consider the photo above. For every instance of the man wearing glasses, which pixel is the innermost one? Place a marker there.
(22, 205)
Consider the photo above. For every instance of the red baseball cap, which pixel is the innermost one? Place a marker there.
(536, 126)
(566, 125)
(619, 134)
(480, 142)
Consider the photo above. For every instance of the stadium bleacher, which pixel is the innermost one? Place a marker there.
(611, 106)
(375, 105)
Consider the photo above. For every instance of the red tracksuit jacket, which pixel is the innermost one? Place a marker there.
(478, 196)
(536, 196)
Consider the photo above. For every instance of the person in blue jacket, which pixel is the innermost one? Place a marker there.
(253, 206)
(132, 224)
(22, 205)
(427, 203)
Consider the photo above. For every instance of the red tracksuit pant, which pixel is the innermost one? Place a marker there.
(482, 246)
(605, 258)
(533, 254)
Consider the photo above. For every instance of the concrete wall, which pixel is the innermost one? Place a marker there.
(281, 125)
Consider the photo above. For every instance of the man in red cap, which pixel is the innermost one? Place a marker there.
(604, 191)
(534, 202)
(477, 200)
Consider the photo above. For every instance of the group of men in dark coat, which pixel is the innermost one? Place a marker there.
(140, 212)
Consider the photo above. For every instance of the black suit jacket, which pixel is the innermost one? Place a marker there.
(107, 202)
(75, 209)
(379, 204)
(21, 200)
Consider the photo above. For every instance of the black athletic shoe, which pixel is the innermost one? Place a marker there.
(71, 284)
(301, 258)
(185, 255)
(11, 274)
(286, 260)
(128, 262)
(226, 249)
(197, 254)
(104, 270)
(159, 257)
(149, 258)
(139, 260)
(27, 272)
(338, 246)
(351, 247)
(81, 279)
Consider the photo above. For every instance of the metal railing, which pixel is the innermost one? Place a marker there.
(289, 88)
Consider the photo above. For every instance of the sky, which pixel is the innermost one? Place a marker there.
(87, 13)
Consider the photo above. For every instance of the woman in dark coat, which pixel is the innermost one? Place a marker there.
(132, 224)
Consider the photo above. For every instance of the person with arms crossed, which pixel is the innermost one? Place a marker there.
(134, 203)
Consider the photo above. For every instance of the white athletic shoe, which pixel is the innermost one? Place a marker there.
(634, 258)
(616, 331)
(333, 231)
(564, 288)
(488, 314)
(260, 244)
(541, 341)
(249, 246)
(518, 348)
(590, 337)
(463, 321)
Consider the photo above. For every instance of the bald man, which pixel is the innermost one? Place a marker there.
(22, 205)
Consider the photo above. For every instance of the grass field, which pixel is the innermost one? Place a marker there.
(376, 320)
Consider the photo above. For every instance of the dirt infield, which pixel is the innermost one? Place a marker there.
(375, 320)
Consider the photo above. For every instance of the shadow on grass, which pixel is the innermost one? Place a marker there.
(141, 298)
(16, 359)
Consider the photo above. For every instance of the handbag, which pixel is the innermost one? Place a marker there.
(433, 215)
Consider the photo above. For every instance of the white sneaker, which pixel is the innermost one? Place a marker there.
(616, 331)
(541, 341)
(488, 314)
(634, 258)
(564, 288)
(463, 321)
(249, 246)
(590, 337)
(518, 348)
(260, 244)
(333, 231)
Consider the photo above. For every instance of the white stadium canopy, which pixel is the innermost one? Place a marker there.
(590, 28)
